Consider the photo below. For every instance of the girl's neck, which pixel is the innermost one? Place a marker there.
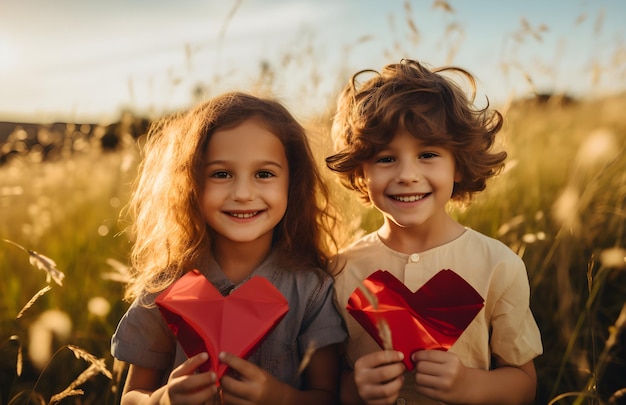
(419, 239)
(239, 260)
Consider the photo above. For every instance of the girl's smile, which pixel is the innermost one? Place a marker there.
(246, 184)
(243, 215)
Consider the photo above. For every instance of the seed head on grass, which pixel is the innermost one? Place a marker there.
(42, 263)
(98, 364)
(32, 300)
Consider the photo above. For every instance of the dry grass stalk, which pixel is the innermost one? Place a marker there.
(119, 368)
(444, 5)
(96, 366)
(19, 362)
(230, 16)
(617, 397)
(55, 399)
(32, 300)
(121, 273)
(306, 359)
(597, 27)
(384, 332)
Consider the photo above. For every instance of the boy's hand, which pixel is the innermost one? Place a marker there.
(440, 375)
(252, 385)
(185, 387)
(378, 376)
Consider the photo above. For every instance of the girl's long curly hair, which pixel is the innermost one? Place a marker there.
(431, 106)
(170, 235)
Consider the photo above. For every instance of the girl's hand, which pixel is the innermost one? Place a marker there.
(440, 375)
(185, 387)
(378, 376)
(253, 385)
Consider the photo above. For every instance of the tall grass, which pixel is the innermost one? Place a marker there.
(68, 211)
(559, 204)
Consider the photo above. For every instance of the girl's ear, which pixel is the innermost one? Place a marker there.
(358, 173)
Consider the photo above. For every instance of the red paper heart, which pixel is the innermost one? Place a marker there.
(204, 320)
(431, 318)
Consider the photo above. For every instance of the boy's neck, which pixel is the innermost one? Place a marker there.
(419, 239)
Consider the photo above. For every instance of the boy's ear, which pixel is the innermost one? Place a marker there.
(457, 176)
(359, 176)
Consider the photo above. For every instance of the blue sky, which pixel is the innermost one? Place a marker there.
(84, 60)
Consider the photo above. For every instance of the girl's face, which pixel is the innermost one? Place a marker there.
(246, 184)
(410, 183)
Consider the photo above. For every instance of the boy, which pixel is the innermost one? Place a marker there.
(409, 142)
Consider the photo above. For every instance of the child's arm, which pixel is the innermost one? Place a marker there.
(442, 376)
(256, 386)
(376, 379)
(143, 385)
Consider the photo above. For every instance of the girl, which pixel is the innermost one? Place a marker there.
(231, 189)
(410, 141)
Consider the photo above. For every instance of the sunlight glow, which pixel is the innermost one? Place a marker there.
(7, 56)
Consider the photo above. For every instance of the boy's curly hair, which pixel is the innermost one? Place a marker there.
(431, 106)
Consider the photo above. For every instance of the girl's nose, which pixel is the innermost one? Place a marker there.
(243, 190)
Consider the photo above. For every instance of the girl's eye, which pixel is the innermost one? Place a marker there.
(220, 174)
(264, 174)
(385, 159)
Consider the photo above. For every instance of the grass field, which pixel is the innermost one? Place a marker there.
(559, 205)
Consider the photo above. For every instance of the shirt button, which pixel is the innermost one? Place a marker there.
(401, 401)
(414, 258)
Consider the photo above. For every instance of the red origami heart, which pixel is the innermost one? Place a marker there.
(431, 318)
(205, 321)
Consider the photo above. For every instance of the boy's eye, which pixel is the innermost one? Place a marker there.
(220, 174)
(428, 155)
(264, 174)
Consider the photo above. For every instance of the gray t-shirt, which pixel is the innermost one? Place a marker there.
(144, 339)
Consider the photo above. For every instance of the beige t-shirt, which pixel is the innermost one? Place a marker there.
(504, 327)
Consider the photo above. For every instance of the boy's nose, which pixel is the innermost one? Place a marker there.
(408, 172)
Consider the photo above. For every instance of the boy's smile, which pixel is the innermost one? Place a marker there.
(409, 198)
(411, 182)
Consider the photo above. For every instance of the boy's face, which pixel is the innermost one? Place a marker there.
(410, 183)
(246, 183)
